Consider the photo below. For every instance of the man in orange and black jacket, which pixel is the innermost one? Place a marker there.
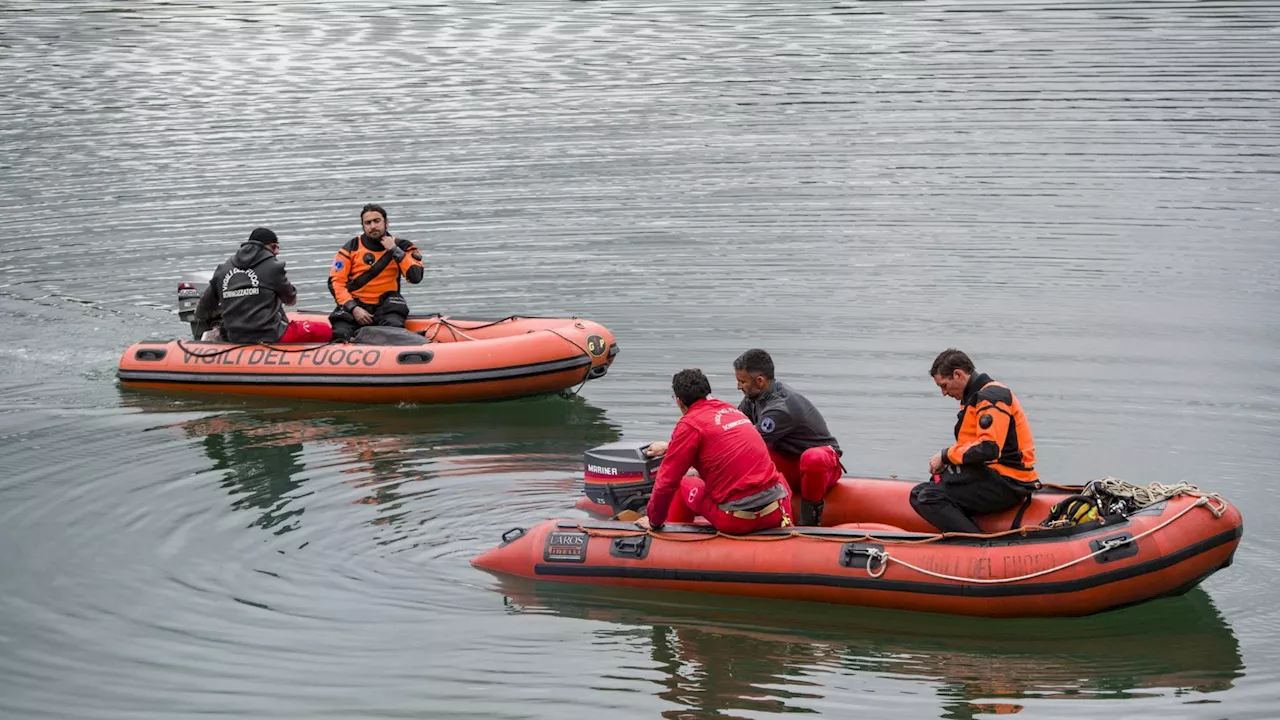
(991, 466)
(365, 277)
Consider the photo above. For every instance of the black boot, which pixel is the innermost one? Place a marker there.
(811, 513)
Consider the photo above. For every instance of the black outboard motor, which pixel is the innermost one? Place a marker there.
(618, 476)
(190, 287)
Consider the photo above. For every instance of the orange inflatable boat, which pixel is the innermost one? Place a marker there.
(466, 360)
(875, 551)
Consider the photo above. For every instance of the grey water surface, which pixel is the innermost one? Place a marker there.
(1083, 195)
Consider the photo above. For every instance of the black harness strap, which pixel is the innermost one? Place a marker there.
(374, 271)
(1022, 509)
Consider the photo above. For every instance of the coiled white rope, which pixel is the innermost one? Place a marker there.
(1149, 495)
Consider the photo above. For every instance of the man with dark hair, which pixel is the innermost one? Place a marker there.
(247, 295)
(991, 466)
(736, 488)
(365, 278)
(796, 433)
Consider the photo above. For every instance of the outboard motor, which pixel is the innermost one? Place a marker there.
(618, 476)
(190, 287)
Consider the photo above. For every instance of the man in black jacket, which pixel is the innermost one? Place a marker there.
(799, 442)
(249, 292)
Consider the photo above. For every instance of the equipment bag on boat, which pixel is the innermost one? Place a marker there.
(382, 335)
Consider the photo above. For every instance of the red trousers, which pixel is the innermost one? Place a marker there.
(813, 474)
(694, 500)
(305, 331)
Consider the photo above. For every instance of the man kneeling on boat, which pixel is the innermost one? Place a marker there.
(249, 291)
(737, 488)
(799, 442)
(991, 466)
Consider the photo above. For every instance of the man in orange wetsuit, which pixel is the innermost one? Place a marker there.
(797, 435)
(365, 277)
(737, 488)
(991, 466)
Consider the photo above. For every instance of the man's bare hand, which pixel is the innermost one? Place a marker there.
(935, 464)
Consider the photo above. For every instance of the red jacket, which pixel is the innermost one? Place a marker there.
(715, 438)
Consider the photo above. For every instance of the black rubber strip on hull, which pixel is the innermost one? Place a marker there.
(518, 372)
(869, 583)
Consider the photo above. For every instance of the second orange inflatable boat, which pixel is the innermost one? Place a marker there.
(875, 551)
(466, 360)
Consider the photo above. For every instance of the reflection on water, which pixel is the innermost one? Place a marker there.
(392, 455)
(730, 657)
(260, 474)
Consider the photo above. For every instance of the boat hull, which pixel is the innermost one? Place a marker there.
(1161, 551)
(468, 360)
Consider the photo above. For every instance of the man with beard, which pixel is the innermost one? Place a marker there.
(366, 273)
(799, 442)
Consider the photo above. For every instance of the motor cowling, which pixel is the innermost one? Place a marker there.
(190, 287)
(619, 476)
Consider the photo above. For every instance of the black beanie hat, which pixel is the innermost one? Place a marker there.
(263, 236)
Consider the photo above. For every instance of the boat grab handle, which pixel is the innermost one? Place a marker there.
(417, 357)
(636, 547)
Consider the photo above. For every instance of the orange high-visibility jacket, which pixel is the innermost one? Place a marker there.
(364, 271)
(993, 431)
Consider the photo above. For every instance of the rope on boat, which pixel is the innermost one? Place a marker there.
(441, 324)
(305, 347)
(590, 364)
(802, 533)
(1104, 546)
(1151, 494)
(454, 330)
